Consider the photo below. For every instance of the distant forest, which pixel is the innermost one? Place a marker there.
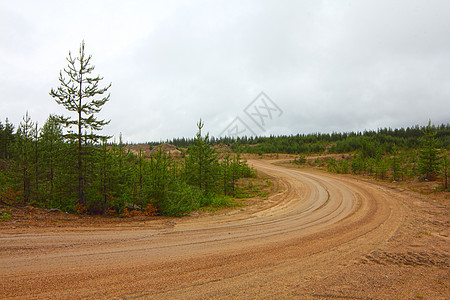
(316, 143)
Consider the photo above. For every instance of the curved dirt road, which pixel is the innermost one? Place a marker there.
(300, 243)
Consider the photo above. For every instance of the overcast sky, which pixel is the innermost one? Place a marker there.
(324, 66)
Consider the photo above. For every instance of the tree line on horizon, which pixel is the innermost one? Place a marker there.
(319, 143)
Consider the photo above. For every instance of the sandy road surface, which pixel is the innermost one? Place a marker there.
(320, 236)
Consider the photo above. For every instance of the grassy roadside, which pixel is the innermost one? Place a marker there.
(432, 189)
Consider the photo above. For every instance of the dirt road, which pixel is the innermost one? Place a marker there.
(321, 236)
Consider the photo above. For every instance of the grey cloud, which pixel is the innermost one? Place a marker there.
(331, 66)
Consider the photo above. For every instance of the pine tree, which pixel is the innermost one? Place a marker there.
(107, 179)
(36, 161)
(381, 168)
(235, 172)
(201, 165)
(413, 164)
(51, 139)
(80, 93)
(25, 134)
(395, 165)
(141, 162)
(428, 156)
(226, 174)
(6, 139)
(120, 155)
(2, 142)
(159, 179)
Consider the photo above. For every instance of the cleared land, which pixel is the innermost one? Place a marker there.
(320, 236)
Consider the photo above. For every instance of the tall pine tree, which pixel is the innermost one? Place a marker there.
(79, 92)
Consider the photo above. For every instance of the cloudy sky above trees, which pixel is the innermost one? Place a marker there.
(326, 65)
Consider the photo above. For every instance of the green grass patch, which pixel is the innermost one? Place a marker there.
(221, 202)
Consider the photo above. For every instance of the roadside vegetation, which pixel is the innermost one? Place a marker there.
(385, 161)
